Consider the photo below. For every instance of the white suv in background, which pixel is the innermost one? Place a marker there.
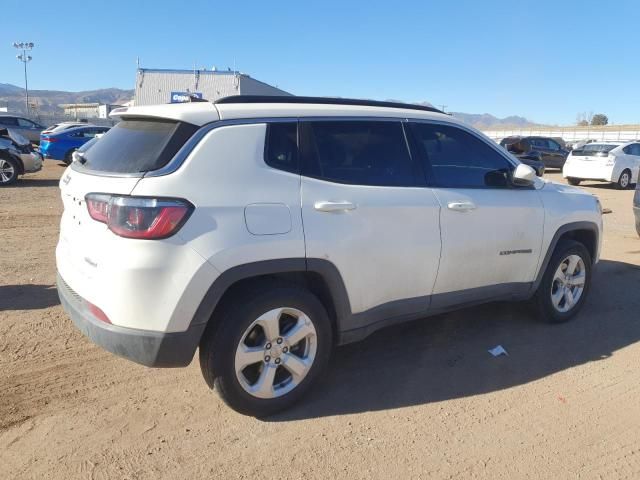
(267, 230)
(615, 162)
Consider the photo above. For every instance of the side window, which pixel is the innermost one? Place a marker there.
(22, 122)
(635, 149)
(553, 145)
(358, 152)
(8, 121)
(281, 146)
(628, 150)
(458, 159)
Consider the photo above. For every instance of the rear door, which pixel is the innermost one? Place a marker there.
(491, 232)
(366, 210)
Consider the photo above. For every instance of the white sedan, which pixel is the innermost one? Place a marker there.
(614, 162)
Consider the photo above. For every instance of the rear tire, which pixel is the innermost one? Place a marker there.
(8, 171)
(573, 181)
(624, 182)
(565, 283)
(254, 373)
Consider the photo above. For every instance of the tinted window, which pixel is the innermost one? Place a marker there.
(281, 146)
(25, 123)
(456, 158)
(138, 146)
(358, 152)
(9, 121)
(553, 145)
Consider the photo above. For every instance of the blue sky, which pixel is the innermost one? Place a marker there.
(545, 60)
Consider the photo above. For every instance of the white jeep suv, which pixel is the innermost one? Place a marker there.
(265, 231)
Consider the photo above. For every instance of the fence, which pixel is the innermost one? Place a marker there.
(623, 133)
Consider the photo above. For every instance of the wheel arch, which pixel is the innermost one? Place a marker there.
(586, 233)
(8, 156)
(321, 277)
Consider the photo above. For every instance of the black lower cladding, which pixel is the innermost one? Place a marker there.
(153, 349)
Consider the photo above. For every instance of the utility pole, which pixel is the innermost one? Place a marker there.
(442, 107)
(24, 58)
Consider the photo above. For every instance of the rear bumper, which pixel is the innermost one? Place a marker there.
(589, 171)
(153, 349)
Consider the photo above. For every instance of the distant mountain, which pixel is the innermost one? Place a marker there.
(48, 101)
(485, 120)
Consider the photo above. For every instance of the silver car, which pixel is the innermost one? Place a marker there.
(17, 157)
(25, 127)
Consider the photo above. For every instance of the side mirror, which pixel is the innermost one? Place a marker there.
(524, 176)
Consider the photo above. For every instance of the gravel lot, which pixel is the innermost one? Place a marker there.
(424, 400)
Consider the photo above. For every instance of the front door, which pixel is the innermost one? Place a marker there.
(491, 231)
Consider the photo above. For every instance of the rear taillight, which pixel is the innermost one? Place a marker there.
(138, 217)
(49, 139)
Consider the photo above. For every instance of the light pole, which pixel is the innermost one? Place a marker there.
(24, 58)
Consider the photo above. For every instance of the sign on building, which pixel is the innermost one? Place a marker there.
(182, 97)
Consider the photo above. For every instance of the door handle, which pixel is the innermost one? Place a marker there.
(461, 206)
(334, 206)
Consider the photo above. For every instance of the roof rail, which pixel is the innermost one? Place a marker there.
(321, 101)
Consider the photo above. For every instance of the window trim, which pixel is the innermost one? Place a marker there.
(430, 180)
(304, 132)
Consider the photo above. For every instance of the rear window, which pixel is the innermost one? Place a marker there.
(138, 145)
(598, 147)
(594, 149)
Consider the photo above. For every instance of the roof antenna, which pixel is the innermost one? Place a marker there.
(138, 63)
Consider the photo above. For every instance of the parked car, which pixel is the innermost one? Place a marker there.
(23, 126)
(267, 230)
(533, 159)
(61, 145)
(17, 157)
(636, 207)
(551, 152)
(615, 162)
(57, 127)
(79, 153)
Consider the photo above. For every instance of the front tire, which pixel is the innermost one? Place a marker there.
(573, 181)
(624, 182)
(267, 349)
(565, 283)
(8, 171)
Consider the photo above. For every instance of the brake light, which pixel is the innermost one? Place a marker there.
(50, 139)
(138, 217)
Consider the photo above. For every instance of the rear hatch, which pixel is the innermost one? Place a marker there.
(113, 165)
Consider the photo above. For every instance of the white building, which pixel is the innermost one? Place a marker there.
(87, 110)
(157, 86)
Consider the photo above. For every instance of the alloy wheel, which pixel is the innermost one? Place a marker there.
(7, 171)
(276, 353)
(624, 180)
(568, 283)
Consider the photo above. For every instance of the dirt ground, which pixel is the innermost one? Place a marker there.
(424, 400)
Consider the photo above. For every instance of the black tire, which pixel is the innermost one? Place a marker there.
(546, 310)
(573, 181)
(218, 345)
(68, 158)
(624, 182)
(9, 172)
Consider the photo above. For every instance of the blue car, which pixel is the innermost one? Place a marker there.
(61, 145)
